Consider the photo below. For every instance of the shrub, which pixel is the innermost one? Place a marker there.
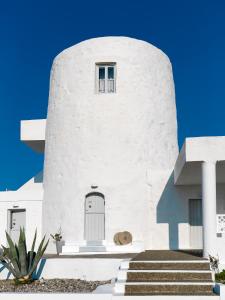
(20, 262)
(220, 277)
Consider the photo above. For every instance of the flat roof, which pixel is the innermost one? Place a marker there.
(193, 152)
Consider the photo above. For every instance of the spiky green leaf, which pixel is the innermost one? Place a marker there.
(12, 253)
(32, 253)
(39, 254)
(9, 267)
(22, 253)
(16, 258)
(17, 250)
(12, 248)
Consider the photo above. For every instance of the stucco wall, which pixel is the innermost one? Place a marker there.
(28, 197)
(115, 141)
(170, 228)
(78, 268)
(33, 214)
(170, 216)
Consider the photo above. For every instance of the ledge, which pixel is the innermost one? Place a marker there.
(187, 169)
(32, 133)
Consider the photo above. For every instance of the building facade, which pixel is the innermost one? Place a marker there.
(111, 158)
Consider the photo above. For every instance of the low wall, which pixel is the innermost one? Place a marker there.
(78, 268)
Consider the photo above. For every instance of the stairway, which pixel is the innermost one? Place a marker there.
(188, 277)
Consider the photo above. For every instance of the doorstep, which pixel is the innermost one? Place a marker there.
(82, 248)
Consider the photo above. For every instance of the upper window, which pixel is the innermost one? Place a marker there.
(105, 80)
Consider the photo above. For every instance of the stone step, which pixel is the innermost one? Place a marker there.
(94, 243)
(169, 266)
(165, 273)
(92, 249)
(169, 255)
(168, 277)
(165, 289)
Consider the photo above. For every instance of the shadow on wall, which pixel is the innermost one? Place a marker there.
(171, 210)
(36, 275)
(39, 177)
(2, 268)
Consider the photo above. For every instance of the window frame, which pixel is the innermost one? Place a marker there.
(105, 65)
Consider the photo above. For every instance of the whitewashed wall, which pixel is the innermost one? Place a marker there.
(78, 268)
(170, 217)
(28, 197)
(115, 141)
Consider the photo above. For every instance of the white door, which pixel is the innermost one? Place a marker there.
(195, 221)
(17, 219)
(94, 217)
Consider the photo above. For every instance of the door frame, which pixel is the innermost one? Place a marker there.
(9, 217)
(86, 196)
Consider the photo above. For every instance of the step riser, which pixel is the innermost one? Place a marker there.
(92, 249)
(94, 243)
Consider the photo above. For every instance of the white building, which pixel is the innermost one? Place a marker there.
(112, 161)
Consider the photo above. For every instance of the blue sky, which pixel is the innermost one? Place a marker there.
(32, 33)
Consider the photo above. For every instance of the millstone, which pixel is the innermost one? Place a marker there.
(116, 239)
(125, 237)
(122, 238)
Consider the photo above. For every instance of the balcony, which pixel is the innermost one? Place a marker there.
(32, 133)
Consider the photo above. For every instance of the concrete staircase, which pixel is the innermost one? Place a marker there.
(165, 278)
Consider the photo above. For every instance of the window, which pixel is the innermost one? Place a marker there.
(105, 81)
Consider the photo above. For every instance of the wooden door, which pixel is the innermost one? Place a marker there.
(94, 217)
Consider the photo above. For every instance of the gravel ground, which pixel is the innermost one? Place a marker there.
(51, 286)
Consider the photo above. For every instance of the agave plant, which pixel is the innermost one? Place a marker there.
(20, 262)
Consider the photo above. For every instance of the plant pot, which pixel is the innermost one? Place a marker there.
(59, 245)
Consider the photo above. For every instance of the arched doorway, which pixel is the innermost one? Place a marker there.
(94, 229)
